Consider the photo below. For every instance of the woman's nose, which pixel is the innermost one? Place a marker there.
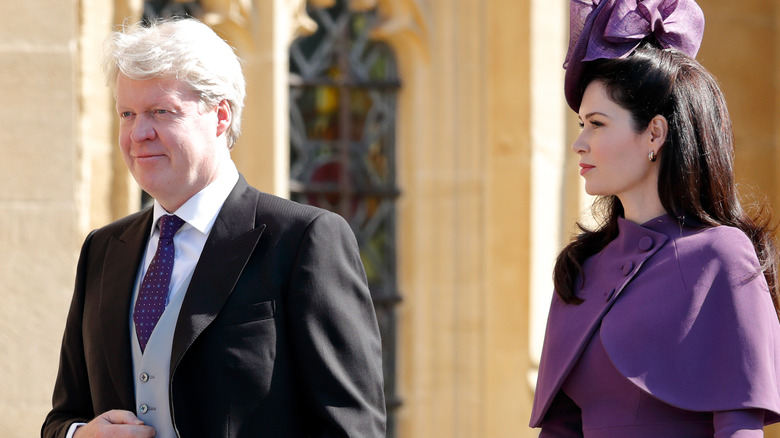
(580, 145)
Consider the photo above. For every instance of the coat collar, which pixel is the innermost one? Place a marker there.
(231, 242)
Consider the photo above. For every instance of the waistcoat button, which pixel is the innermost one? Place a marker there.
(143, 408)
(144, 377)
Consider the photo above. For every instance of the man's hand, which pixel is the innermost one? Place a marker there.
(115, 424)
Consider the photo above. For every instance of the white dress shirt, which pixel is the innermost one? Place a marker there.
(199, 213)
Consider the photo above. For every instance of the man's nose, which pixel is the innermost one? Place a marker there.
(142, 130)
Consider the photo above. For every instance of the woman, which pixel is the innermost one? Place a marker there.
(663, 322)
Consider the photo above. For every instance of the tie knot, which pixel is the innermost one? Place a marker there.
(169, 225)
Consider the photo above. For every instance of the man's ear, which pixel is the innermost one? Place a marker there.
(224, 117)
(657, 131)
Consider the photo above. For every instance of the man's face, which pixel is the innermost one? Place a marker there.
(172, 148)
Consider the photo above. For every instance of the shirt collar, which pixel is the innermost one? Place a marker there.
(200, 211)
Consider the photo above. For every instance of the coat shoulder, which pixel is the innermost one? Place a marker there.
(725, 246)
(274, 209)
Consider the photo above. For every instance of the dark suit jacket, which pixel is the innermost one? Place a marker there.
(277, 336)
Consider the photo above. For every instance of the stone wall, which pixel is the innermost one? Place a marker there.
(39, 202)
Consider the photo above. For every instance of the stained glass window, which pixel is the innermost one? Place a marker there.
(343, 89)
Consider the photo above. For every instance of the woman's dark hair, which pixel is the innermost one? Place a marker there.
(696, 176)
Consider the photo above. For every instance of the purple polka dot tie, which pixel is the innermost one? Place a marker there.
(153, 293)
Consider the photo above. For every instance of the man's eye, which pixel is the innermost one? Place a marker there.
(161, 111)
(125, 114)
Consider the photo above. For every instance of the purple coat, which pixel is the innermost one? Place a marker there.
(685, 315)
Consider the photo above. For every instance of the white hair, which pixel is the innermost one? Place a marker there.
(186, 50)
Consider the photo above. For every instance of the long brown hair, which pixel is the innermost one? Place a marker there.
(696, 176)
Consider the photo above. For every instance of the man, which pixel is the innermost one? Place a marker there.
(221, 311)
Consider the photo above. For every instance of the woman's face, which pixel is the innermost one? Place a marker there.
(613, 157)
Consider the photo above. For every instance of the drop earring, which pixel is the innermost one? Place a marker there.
(652, 156)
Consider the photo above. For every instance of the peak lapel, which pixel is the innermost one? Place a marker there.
(228, 248)
(120, 268)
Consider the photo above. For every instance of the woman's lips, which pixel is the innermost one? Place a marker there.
(585, 168)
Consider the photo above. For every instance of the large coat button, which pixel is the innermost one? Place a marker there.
(627, 267)
(645, 243)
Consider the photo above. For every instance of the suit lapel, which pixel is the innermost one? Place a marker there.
(230, 244)
(120, 268)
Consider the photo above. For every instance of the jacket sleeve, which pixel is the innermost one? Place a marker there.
(71, 401)
(334, 333)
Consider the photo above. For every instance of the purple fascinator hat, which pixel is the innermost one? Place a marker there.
(607, 29)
